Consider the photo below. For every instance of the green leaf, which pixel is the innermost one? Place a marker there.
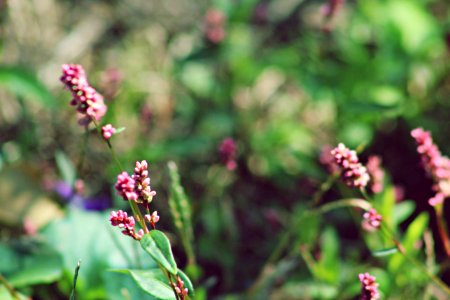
(327, 268)
(403, 210)
(152, 282)
(344, 203)
(180, 209)
(25, 84)
(66, 168)
(385, 252)
(38, 264)
(157, 245)
(187, 283)
(119, 130)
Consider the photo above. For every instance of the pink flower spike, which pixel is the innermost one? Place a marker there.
(436, 199)
(371, 220)
(108, 131)
(125, 187)
(353, 173)
(369, 288)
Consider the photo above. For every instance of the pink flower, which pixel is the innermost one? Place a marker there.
(371, 220)
(369, 288)
(108, 131)
(180, 289)
(436, 165)
(88, 101)
(152, 219)
(353, 173)
(125, 187)
(214, 23)
(142, 182)
(376, 173)
(121, 220)
(228, 151)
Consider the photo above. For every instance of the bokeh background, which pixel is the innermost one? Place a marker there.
(283, 78)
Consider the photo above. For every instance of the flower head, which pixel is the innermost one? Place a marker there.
(436, 165)
(121, 220)
(353, 173)
(88, 101)
(376, 173)
(179, 288)
(125, 187)
(371, 220)
(108, 131)
(227, 151)
(142, 182)
(369, 288)
(152, 219)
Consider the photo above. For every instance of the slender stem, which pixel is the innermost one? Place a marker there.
(108, 143)
(324, 187)
(137, 213)
(402, 251)
(83, 150)
(442, 228)
(9, 287)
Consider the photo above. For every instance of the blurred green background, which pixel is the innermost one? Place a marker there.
(283, 78)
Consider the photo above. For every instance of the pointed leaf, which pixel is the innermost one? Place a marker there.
(180, 209)
(152, 282)
(385, 252)
(157, 245)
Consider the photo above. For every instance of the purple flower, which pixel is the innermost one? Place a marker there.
(228, 151)
(436, 165)
(371, 220)
(88, 101)
(369, 288)
(353, 173)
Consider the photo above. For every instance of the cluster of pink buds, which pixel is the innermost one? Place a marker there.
(376, 173)
(228, 151)
(180, 289)
(214, 26)
(353, 173)
(88, 101)
(152, 219)
(436, 165)
(369, 288)
(107, 131)
(371, 220)
(121, 220)
(137, 186)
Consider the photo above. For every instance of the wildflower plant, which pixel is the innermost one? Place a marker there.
(136, 190)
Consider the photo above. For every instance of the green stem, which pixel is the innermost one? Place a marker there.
(9, 287)
(83, 150)
(402, 251)
(324, 187)
(442, 228)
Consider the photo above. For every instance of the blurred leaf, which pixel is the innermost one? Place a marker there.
(152, 282)
(119, 130)
(327, 268)
(5, 295)
(403, 211)
(360, 203)
(384, 252)
(187, 283)
(307, 226)
(413, 234)
(101, 249)
(66, 168)
(25, 84)
(198, 78)
(157, 245)
(30, 263)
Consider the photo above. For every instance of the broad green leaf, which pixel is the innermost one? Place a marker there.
(385, 252)
(66, 168)
(152, 282)
(157, 245)
(34, 263)
(25, 84)
(327, 268)
(187, 283)
(180, 209)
